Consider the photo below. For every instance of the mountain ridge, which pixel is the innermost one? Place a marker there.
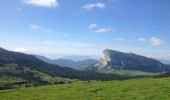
(32, 62)
(79, 65)
(130, 61)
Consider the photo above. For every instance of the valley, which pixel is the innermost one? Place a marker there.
(27, 77)
(84, 50)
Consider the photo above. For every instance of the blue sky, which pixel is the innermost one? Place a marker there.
(57, 28)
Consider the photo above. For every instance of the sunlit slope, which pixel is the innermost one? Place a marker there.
(13, 76)
(135, 89)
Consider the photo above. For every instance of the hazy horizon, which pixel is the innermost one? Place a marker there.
(59, 28)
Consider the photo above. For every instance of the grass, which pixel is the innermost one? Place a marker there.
(134, 89)
(127, 72)
(6, 79)
(13, 76)
(10, 73)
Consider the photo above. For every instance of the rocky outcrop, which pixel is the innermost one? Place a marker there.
(130, 61)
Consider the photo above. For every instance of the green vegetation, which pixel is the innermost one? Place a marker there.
(6, 79)
(45, 82)
(126, 72)
(12, 76)
(134, 89)
(33, 63)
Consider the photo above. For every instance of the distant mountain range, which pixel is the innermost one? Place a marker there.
(79, 64)
(130, 61)
(30, 69)
(80, 58)
(114, 60)
(34, 64)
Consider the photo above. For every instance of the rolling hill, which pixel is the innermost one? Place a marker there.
(32, 63)
(13, 76)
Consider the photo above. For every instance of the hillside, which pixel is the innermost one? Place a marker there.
(79, 65)
(135, 89)
(13, 76)
(31, 62)
(130, 61)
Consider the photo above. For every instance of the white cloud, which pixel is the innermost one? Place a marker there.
(94, 5)
(21, 49)
(103, 30)
(95, 28)
(155, 41)
(142, 40)
(34, 26)
(43, 3)
(92, 26)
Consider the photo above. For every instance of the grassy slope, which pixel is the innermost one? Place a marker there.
(7, 79)
(135, 89)
(126, 72)
(11, 74)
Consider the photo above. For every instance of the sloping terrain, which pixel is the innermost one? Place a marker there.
(12, 76)
(130, 61)
(31, 62)
(135, 89)
(79, 65)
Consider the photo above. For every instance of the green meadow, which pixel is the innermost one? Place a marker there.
(134, 89)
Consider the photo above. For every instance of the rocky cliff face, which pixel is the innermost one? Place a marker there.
(129, 61)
